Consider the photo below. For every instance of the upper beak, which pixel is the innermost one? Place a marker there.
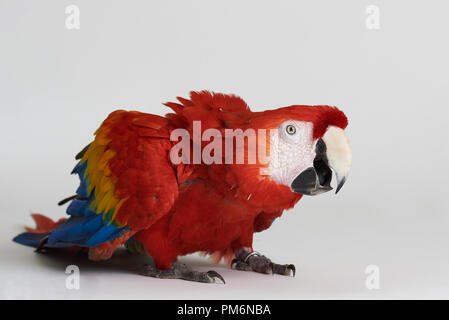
(332, 152)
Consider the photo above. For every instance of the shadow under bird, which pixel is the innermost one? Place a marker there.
(131, 193)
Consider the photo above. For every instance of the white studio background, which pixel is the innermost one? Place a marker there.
(384, 63)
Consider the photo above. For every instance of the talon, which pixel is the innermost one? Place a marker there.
(213, 274)
(271, 269)
(41, 247)
(292, 268)
(234, 263)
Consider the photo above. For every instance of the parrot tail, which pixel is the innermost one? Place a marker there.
(37, 236)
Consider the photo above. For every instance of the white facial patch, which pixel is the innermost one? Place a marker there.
(292, 151)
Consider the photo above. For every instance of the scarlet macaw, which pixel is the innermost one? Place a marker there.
(132, 194)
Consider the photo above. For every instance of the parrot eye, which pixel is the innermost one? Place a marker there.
(291, 129)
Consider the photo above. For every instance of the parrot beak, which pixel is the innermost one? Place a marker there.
(332, 153)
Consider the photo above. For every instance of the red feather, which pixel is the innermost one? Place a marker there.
(43, 224)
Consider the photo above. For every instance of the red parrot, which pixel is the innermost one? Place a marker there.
(133, 193)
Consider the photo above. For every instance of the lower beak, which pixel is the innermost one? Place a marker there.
(332, 153)
(308, 183)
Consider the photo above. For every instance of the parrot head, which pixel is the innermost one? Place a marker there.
(308, 143)
(305, 144)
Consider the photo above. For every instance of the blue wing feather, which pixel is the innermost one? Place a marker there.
(84, 228)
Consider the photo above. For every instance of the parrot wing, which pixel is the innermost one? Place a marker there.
(126, 181)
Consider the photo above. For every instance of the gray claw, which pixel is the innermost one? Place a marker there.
(254, 261)
(182, 271)
(213, 274)
(292, 268)
(284, 269)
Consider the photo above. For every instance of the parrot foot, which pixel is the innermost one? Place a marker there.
(182, 271)
(254, 261)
